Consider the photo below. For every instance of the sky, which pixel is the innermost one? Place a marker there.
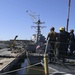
(17, 17)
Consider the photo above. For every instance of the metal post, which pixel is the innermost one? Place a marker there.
(27, 53)
(46, 64)
(69, 3)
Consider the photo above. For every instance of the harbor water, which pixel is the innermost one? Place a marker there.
(21, 68)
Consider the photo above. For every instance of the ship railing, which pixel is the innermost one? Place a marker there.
(61, 47)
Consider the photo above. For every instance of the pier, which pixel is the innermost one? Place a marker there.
(9, 58)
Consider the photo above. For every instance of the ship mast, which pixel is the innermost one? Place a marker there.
(38, 27)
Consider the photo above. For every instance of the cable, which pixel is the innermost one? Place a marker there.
(19, 69)
(37, 69)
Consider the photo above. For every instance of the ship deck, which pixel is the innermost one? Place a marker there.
(59, 67)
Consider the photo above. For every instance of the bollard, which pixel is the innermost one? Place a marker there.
(46, 65)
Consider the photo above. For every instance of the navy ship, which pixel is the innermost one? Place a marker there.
(36, 48)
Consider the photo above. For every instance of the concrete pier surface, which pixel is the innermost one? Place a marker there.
(9, 58)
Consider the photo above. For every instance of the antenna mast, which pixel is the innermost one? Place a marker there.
(38, 27)
(69, 2)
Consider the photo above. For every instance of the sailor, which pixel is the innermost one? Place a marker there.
(66, 40)
(72, 44)
(62, 45)
(67, 36)
(52, 35)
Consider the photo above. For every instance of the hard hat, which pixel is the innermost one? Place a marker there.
(72, 30)
(52, 28)
(61, 28)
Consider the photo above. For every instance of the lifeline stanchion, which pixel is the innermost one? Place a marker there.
(45, 59)
(46, 64)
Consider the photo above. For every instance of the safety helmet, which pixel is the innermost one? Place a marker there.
(61, 28)
(52, 28)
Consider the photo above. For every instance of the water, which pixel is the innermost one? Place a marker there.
(22, 64)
